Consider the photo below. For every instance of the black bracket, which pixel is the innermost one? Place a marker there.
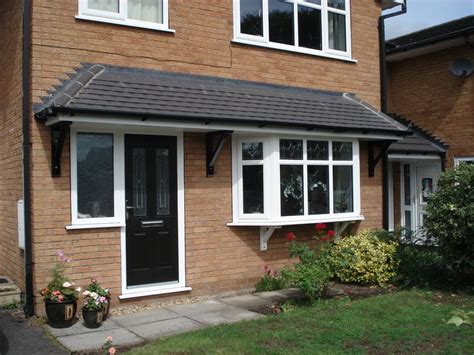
(58, 136)
(213, 148)
(373, 160)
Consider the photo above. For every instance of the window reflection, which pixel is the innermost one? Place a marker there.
(281, 22)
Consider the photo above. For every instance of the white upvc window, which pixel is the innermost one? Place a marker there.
(279, 179)
(319, 27)
(151, 14)
(467, 160)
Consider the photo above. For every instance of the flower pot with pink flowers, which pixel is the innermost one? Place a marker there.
(60, 296)
(95, 304)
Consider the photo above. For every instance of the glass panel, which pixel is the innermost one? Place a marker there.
(104, 5)
(341, 150)
(318, 150)
(253, 188)
(317, 2)
(139, 181)
(291, 149)
(281, 21)
(162, 182)
(337, 4)
(309, 27)
(406, 184)
(337, 31)
(251, 21)
(291, 190)
(426, 189)
(95, 175)
(318, 189)
(252, 151)
(145, 10)
(408, 220)
(343, 199)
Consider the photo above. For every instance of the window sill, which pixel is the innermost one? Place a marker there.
(94, 226)
(148, 26)
(294, 222)
(293, 49)
(154, 292)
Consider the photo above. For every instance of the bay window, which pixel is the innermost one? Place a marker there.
(302, 180)
(320, 27)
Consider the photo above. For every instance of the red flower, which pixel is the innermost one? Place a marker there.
(320, 226)
(325, 239)
(290, 236)
(331, 233)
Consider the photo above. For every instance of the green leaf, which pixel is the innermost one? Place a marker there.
(457, 321)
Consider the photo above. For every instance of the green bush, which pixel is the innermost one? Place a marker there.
(365, 258)
(271, 280)
(450, 218)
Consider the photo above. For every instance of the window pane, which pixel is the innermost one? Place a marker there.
(337, 4)
(146, 10)
(317, 2)
(281, 22)
(318, 189)
(104, 5)
(253, 188)
(95, 175)
(291, 189)
(318, 150)
(252, 151)
(343, 200)
(406, 184)
(341, 150)
(309, 27)
(291, 149)
(337, 31)
(163, 182)
(251, 21)
(408, 220)
(139, 181)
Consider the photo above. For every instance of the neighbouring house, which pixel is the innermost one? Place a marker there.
(431, 91)
(167, 146)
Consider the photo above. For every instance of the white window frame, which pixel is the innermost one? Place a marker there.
(459, 160)
(272, 199)
(121, 18)
(264, 41)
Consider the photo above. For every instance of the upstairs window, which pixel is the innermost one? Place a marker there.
(318, 27)
(151, 14)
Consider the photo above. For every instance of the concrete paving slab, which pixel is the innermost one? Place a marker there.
(145, 317)
(80, 328)
(247, 301)
(163, 328)
(273, 296)
(95, 340)
(230, 315)
(201, 307)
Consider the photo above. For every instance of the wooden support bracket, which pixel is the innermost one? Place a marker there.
(213, 149)
(58, 136)
(373, 160)
(265, 234)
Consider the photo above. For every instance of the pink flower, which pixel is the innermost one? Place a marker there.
(109, 338)
(112, 350)
(94, 281)
(290, 236)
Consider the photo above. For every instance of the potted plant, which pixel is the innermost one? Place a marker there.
(95, 304)
(60, 296)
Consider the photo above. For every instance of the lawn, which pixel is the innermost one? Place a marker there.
(402, 322)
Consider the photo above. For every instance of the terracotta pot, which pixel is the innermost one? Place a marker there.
(61, 315)
(92, 319)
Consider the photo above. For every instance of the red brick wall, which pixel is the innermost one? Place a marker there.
(11, 190)
(423, 90)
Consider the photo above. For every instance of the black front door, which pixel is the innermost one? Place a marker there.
(152, 213)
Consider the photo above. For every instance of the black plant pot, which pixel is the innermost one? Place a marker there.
(61, 315)
(107, 308)
(92, 319)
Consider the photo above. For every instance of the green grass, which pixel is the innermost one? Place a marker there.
(404, 322)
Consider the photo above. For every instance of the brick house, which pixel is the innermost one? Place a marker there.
(429, 92)
(168, 146)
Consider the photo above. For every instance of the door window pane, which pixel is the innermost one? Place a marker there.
(343, 194)
(318, 150)
(291, 149)
(337, 4)
(408, 220)
(407, 185)
(251, 20)
(104, 5)
(95, 175)
(253, 188)
(281, 22)
(252, 151)
(318, 189)
(291, 190)
(139, 181)
(342, 151)
(309, 27)
(145, 10)
(337, 31)
(162, 182)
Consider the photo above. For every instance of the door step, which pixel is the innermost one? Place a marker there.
(9, 292)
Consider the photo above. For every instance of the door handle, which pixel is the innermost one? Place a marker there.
(158, 223)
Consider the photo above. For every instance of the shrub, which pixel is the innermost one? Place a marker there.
(365, 259)
(271, 280)
(450, 218)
